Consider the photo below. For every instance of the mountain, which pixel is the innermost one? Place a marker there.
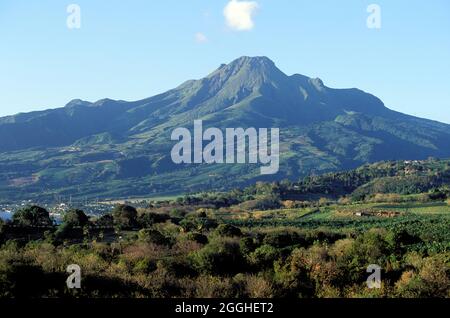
(115, 149)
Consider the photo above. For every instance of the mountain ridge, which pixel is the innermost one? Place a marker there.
(126, 145)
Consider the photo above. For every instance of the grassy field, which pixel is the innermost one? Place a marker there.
(418, 208)
(344, 217)
(340, 211)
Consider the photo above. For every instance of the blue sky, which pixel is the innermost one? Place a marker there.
(135, 49)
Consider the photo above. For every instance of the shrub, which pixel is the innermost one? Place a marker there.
(140, 250)
(148, 219)
(323, 236)
(197, 237)
(259, 287)
(212, 287)
(178, 267)
(435, 273)
(247, 245)
(430, 280)
(282, 239)
(177, 213)
(219, 257)
(292, 276)
(409, 285)
(251, 286)
(370, 248)
(341, 248)
(145, 266)
(264, 256)
(153, 236)
(194, 223)
(228, 230)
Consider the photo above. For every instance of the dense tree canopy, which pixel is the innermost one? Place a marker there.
(32, 216)
(76, 218)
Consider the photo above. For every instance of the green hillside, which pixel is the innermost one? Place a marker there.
(118, 149)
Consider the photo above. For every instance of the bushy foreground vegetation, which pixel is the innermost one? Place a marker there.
(313, 238)
(192, 252)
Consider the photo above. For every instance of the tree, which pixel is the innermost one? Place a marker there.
(74, 225)
(153, 236)
(124, 216)
(76, 218)
(282, 239)
(32, 216)
(148, 219)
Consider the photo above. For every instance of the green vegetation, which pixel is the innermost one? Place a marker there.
(32, 216)
(125, 217)
(116, 149)
(268, 240)
(311, 256)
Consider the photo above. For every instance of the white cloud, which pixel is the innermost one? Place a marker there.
(200, 38)
(239, 14)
